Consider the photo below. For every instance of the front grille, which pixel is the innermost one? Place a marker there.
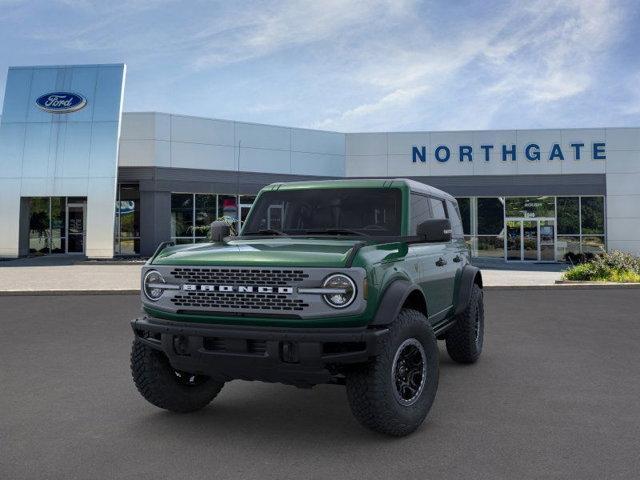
(238, 276)
(238, 301)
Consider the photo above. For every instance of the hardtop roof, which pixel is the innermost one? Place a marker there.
(413, 185)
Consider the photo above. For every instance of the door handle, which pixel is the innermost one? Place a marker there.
(441, 262)
(457, 259)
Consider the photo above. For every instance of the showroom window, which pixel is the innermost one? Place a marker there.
(47, 225)
(205, 213)
(581, 223)
(192, 214)
(127, 228)
(530, 207)
(568, 215)
(464, 206)
(490, 227)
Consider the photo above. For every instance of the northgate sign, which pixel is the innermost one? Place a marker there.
(531, 152)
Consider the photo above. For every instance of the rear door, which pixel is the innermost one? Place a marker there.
(446, 261)
(424, 256)
(460, 247)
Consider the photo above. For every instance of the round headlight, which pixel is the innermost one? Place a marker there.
(152, 285)
(344, 291)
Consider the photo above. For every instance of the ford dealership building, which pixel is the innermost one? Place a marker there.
(77, 175)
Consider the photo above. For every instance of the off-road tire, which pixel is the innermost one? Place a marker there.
(464, 342)
(370, 387)
(158, 383)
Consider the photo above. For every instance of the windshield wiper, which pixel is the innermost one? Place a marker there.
(267, 231)
(337, 231)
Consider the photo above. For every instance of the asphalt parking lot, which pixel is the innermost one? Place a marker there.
(555, 395)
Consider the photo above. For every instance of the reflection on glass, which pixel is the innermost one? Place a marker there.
(181, 214)
(192, 214)
(593, 244)
(547, 242)
(530, 240)
(374, 211)
(490, 216)
(75, 237)
(419, 210)
(58, 216)
(182, 241)
(129, 211)
(530, 207)
(464, 205)
(128, 246)
(39, 244)
(205, 214)
(514, 240)
(76, 244)
(58, 245)
(39, 225)
(568, 244)
(568, 216)
(491, 246)
(228, 207)
(592, 215)
(127, 220)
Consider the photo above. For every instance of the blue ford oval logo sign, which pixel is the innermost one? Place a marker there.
(61, 102)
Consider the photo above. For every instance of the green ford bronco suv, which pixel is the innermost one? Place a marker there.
(348, 282)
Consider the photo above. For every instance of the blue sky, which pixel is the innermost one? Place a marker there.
(374, 65)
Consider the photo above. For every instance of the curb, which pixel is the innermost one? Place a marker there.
(565, 286)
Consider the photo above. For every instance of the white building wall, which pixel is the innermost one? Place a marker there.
(390, 155)
(623, 189)
(164, 140)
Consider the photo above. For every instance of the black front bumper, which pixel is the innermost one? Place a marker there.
(298, 356)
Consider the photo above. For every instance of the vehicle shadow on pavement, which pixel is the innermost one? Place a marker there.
(267, 411)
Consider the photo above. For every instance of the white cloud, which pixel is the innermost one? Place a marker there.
(286, 24)
(350, 64)
(401, 97)
(550, 57)
(534, 55)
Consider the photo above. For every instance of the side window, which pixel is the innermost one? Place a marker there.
(437, 206)
(454, 217)
(420, 211)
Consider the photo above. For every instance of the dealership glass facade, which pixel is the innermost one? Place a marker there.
(192, 214)
(57, 225)
(127, 227)
(541, 228)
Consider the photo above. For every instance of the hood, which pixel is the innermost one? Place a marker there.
(281, 252)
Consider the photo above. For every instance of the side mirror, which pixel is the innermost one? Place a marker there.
(219, 230)
(436, 230)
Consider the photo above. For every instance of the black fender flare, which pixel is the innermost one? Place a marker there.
(467, 279)
(392, 300)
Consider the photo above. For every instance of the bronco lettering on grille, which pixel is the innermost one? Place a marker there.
(237, 289)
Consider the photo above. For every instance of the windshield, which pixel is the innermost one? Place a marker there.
(334, 211)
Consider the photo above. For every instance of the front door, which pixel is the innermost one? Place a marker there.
(547, 229)
(75, 227)
(530, 240)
